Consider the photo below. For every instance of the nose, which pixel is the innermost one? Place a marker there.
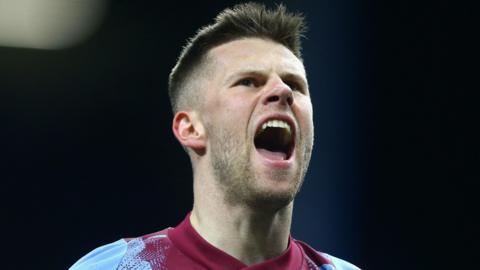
(280, 93)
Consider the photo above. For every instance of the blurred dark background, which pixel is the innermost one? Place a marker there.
(87, 155)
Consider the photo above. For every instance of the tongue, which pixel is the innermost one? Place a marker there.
(272, 155)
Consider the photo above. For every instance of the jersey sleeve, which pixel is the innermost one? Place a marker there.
(106, 257)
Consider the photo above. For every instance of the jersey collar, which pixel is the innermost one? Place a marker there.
(190, 243)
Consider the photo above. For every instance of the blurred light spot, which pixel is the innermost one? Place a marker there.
(48, 24)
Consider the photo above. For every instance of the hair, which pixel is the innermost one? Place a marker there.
(246, 20)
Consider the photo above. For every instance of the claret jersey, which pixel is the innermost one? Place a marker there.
(183, 248)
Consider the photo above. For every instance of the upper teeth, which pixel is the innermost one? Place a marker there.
(276, 123)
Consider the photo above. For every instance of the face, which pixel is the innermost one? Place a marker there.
(257, 115)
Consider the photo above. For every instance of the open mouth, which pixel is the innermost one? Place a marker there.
(275, 140)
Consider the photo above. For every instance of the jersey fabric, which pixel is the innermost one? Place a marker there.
(183, 248)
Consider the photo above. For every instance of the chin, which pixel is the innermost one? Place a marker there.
(271, 202)
(273, 197)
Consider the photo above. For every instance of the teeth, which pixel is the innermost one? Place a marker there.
(278, 124)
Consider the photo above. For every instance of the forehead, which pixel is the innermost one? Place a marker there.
(255, 54)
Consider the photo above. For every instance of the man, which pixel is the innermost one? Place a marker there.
(244, 116)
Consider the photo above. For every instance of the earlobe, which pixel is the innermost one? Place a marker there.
(189, 131)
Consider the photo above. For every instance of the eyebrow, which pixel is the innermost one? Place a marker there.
(256, 73)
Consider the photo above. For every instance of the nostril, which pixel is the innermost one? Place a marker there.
(273, 98)
(276, 98)
(290, 100)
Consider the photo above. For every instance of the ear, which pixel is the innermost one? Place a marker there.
(189, 131)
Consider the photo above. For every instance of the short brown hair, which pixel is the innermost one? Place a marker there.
(241, 21)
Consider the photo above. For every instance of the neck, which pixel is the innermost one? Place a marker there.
(249, 235)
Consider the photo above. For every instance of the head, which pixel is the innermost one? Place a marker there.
(242, 105)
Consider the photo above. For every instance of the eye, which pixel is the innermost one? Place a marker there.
(294, 86)
(248, 82)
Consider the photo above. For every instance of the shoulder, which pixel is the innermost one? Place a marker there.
(339, 263)
(104, 257)
(126, 250)
(324, 260)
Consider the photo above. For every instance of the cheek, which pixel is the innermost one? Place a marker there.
(237, 104)
(305, 111)
(304, 115)
(231, 113)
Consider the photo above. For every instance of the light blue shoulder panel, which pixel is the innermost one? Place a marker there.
(106, 257)
(341, 264)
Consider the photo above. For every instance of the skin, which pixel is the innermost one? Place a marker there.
(242, 202)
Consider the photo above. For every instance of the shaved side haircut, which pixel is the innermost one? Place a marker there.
(246, 20)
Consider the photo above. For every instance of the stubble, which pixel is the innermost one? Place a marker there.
(234, 173)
